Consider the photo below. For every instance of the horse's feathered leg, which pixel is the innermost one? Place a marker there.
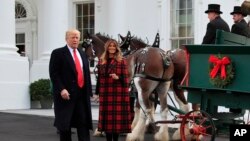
(136, 114)
(183, 106)
(145, 108)
(162, 134)
(139, 130)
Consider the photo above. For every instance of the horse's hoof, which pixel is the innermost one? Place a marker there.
(131, 137)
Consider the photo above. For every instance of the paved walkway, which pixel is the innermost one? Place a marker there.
(37, 125)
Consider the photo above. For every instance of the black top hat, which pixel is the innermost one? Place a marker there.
(237, 10)
(214, 8)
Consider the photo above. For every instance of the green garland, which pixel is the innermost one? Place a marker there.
(217, 80)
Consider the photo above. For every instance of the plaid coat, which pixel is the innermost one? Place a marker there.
(114, 110)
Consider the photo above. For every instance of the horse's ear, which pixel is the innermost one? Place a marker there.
(126, 41)
(86, 35)
(157, 41)
(122, 38)
(128, 34)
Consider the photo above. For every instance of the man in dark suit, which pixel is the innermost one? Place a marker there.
(240, 25)
(216, 22)
(70, 76)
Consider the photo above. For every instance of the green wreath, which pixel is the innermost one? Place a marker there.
(222, 71)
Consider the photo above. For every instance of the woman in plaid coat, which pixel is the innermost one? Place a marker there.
(112, 87)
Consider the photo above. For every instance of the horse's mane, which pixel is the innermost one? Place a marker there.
(103, 36)
(137, 43)
(138, 40)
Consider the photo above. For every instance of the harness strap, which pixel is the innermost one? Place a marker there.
(151, 77)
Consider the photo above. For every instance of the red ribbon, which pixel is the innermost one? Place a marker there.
(219, 64)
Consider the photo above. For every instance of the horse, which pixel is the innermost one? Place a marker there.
(178, 56)
(148, 75)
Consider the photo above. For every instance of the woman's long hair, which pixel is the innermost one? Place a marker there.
(118, 54)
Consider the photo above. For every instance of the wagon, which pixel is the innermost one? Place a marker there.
(212, 93)
(211, 90)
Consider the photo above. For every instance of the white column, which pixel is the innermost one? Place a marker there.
(14, 72)
(53, 21)
(117, 17)
(52, 24)
(7, 28)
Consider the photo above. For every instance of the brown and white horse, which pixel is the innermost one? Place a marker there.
(178, 57)
(151, 70)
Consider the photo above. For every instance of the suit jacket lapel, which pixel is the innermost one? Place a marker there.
(69, 58)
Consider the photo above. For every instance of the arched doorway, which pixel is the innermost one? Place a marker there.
(26, 29)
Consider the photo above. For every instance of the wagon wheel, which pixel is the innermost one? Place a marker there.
(197, 126)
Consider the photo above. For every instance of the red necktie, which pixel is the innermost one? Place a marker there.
(78, 70)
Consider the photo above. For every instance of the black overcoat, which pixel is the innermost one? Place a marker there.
(212, 26)
(241, 28)
(63, 76)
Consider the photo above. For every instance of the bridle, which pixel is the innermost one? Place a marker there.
(88, 43)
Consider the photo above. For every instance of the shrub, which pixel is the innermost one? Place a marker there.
(40, 90)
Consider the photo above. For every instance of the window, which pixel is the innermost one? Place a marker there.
(85, 18)
(182, 31)
(20, 11)
(20, 43)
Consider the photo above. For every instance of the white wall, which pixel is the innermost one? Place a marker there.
(141, 17)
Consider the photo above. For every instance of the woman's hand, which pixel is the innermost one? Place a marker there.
(114, 76)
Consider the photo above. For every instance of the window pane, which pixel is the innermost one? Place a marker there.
(85, 22)
(92, 31)
(189, 4)
(190, 31)
(92, 9)
(190, 41)
(182, 16)
(20, 11)
(183, 4)
(175, 44)
(92, 22)
(182, 42)
(85, 9)
(79, 22)
(79, 10)
(182, 31)
(20, 38)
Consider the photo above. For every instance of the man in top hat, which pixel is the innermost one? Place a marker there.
(216, 22)
(240, 25)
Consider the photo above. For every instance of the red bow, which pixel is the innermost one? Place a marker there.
(219, 64)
